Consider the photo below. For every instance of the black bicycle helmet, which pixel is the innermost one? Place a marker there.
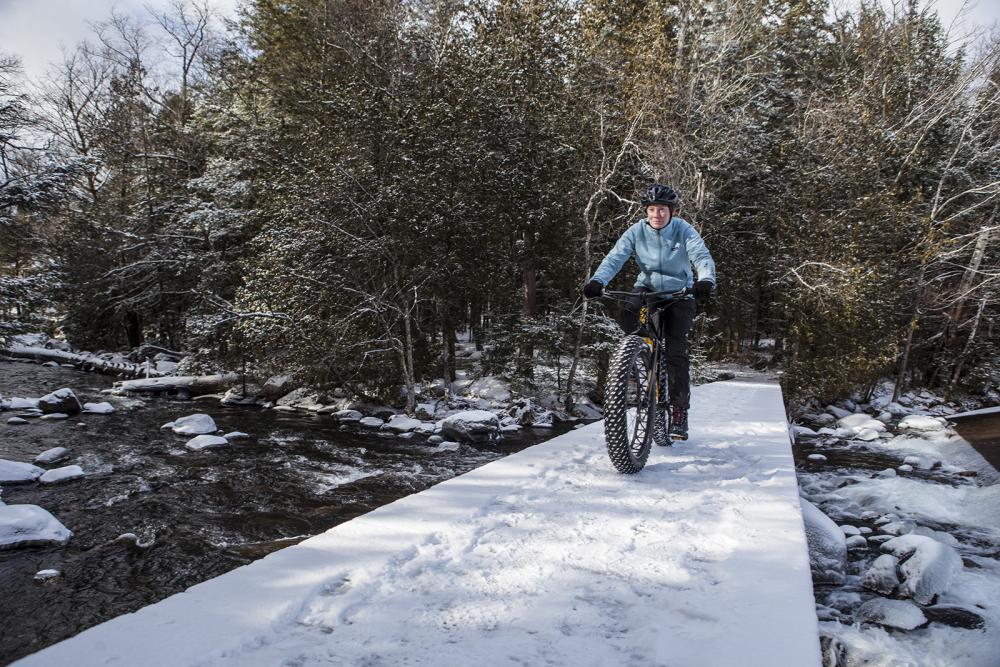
(660, 194)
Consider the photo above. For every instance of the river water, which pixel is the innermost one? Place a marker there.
(204, 512)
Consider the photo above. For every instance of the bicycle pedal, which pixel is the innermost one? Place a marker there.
(674, 436)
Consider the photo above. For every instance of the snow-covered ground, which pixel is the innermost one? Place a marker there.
(544, 557)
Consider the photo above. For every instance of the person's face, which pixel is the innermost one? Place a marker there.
(658, 215)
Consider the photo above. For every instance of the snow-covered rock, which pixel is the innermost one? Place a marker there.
(54, 416)
(61, 400)
(816, 457)
(839, 413)
(347, 415)
(888, 472)
(302, 399)
(491, 388)
(849, 530)
(885, 417)
(827, 545)
(435, 440)
(448, 446)
(927, 566)
(906, 467)
(425, 411)
(899, 614)
(471, 426)
(897, 410)
(201, 442)
(866, 434)
(276, 386)
(64, 474)
(168, 425)
(196, 424)
(802, 431)
(859, 422)
(236, 435)
(15, 421)
(881, 577)
(30, 525)
(102, 408)
(18, 403)
(922, 423)
(401, 424)
(372, 422)
(46, 575)
(856, 542)
(52, 455)
(14, 472)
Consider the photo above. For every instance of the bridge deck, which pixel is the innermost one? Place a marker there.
(544, 557)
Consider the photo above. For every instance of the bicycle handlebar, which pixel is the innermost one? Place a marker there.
(674, 296)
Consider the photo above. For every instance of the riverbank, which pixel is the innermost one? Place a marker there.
(200, 513)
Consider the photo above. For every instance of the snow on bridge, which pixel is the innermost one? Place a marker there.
(547, 556)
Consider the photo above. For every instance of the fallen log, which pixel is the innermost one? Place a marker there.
(85, 362)
(191, 385)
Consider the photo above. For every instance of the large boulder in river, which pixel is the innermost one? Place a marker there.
(196, 424)
(471, 426)
(61, 400)
(30, 525)
(927, 567)
(827, 544)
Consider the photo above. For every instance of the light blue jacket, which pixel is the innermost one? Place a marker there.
(664, 256)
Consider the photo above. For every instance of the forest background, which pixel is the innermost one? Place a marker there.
(339, 188)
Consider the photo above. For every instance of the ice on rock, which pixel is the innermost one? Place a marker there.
(881, 577)
(30, 525)
(827, 546)
(922, 423)
(372, 422)
(64, 474)
(201, 442)
(14, 472)
(102, 408)
(401, 424)
(926, 565)
(196, 424)
(52, 455)
(899, 614)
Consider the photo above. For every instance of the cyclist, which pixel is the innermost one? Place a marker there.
(664, 247)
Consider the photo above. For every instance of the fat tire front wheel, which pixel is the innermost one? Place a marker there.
(628, 439)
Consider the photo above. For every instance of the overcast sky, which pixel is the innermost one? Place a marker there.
(35, 30)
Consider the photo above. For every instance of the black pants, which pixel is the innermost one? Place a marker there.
(675, 322)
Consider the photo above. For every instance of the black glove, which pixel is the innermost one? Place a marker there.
(703, 290)
(593, 289)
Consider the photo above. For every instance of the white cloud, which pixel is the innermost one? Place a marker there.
(37, 30)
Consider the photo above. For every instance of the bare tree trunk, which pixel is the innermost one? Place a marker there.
(407, 359)
(960, 362)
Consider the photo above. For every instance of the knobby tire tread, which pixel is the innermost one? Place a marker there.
(616, 431)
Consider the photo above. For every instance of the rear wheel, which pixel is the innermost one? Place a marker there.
(630, 405)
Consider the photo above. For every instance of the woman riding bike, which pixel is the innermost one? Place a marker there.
(664, 247)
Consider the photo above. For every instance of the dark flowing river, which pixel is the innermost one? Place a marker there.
(206, 512)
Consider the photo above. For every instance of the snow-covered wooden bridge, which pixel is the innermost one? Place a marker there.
(544, 557)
